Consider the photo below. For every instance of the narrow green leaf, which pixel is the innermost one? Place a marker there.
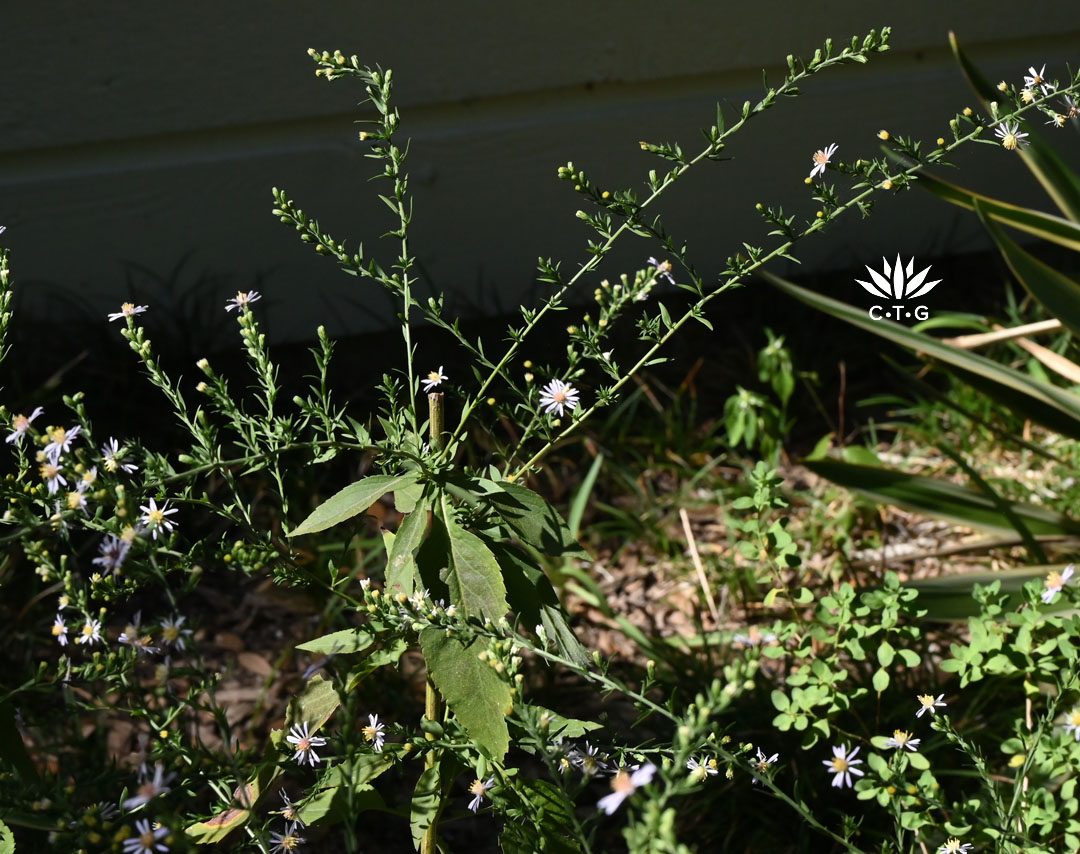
(1057, 292)
(426, 802)
(1047, 226)
(566, 727)
(339, 643)
(400, 565)
(770, 597)
(1049, 405)
(389, 655)
(473, 577)
(353, 500)
(1060, 182)
(581, 497)
(475, 693)
(942, 498)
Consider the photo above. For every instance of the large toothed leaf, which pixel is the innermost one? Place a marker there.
(473, 577)
(353, 500)
(1056, 229)
(1059, 293)
(475, 693)
(1060, 182)
(1053, 407)
(943, 499)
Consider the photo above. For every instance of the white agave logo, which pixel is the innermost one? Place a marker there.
(898, 283)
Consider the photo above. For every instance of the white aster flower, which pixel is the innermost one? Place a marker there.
(149, 787)
(1035, 78)
(305, 744)
(111, 454)
(51, 474)
(479, 789)
(154, 518)
(128, 309)
(1010, 135)
(132, 636)
(557, 395)
(61, 442)
(902, 738)
(287, 841)
(590, 762)
(663, 269)
(762, 763)
(433, 379)
(821, 159)
(928, 703)
(1054, 582)
(373, 733)
(91, 633)
(88, 479)
(624, 784)
(112, 551)
(842, 765)
(954, 846)
(20, 424)
(59, 630)
(242, 299)
(700, 771)
(147, 840)
(1072, 723)
(172, 634)
(289, 811)
(76, 500)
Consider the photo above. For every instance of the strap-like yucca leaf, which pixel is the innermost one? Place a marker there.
(1059, 293)
(1047, 226)
(1060, 182)
(943, 499)
(1053, 407)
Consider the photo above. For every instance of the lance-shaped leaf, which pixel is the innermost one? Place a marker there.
(1060, 182)
(473, 577)
(475, 693)
(943, 499)
(400, 565)
(1059, 293)
(532, 519)
(1047, 404)
(353, 500)
(1056, 229)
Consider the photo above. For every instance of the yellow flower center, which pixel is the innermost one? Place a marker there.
(901, 736)
(478, 788)
(170, 633)
(288, 843)
(1053, 581)
(370, 733)
(128, 309)
(840, 764)
(622, 783)
(49, 471)
(1009, 141)
(75, 500)
(20, 422)
(59, 629)
(304, 744)
(1074, 718)
(87, 630)
(59, 435)
(434, 377)
(155, 518)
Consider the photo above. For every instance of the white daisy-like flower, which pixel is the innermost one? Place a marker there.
(1071, 108)
(91, 633)
(53, 477)
(128, 309)
(88, 480)
(418, 600)
(305, 744)
(1072, 723)
(762, 763)
(76, 500)
(154, 518)
(557, 395)
(287, 841)
(1058, 120)
(700, 771)
(374, 733)
(902, 738)
(147, 840)
(20, 424)
(843, 766)
(663, 269)
(1055, 582)
(61, 442)
(1035, 79)
(243, 299)
(172, 634)
(1010, 136)
(59, 630)
(111, 454)
(479, 789)
(1027, 95)
(433, 379)
(149, 786)
(821, 159)
(112, 551)
(288, 811)
(132, 636)
(624, 784)
(929, 703)
(590, 762)
(953, 845)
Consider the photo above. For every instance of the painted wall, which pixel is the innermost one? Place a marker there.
(139, 142)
